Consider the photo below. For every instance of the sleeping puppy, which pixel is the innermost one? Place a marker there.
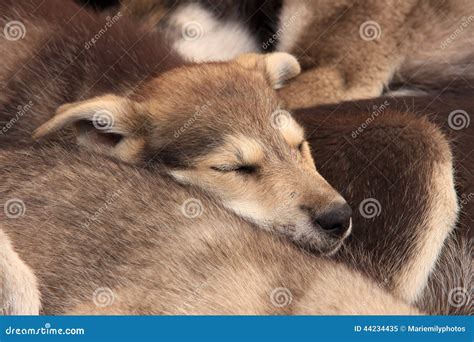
(349, 49)
(115, 215)
(215, 126)
(109, 231)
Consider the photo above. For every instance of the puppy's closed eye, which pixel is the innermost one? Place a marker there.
(243, 169)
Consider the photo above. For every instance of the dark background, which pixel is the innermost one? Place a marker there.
(99, 4)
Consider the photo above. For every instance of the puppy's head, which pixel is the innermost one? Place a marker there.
(219, 127)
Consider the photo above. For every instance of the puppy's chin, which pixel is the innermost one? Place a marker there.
(304, 236)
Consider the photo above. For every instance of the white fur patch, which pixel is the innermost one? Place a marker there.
(19, 294)
(204, 38)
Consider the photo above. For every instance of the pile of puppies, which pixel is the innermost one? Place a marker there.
(136, 181)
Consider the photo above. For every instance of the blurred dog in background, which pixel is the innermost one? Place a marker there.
(349, 49)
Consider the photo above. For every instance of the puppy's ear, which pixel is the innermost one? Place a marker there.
(107, 124)
(278, 67)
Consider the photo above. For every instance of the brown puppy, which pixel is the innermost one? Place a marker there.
(349, 49)
(97, 232)
(386, 247)
(384, 157)
(216, 126)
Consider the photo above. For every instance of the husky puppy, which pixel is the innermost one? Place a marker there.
(397, 252)
(96, 233)
(216, 126)
(349, 49)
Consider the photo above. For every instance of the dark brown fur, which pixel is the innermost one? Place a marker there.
(51, 65)
(380, 156)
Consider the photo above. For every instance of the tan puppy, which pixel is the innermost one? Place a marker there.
(216, 126)
(97, 232)
(349, 49)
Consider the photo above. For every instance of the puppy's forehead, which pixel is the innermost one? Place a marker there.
(245, 148)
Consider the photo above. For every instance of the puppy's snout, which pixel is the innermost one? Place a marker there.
(334, 221)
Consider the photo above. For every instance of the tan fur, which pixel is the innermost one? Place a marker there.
(210, 257)
(278, 67)
(179, 83)
(439, 225)
(239, 134)
(351, 49)
(342, 66)
(214, 263)
(430, 240)
(19, 293)
(163, 113)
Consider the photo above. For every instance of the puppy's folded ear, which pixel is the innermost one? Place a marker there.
(278, 67)
(107, 124)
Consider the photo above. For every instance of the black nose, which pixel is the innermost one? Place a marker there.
(335, 220)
